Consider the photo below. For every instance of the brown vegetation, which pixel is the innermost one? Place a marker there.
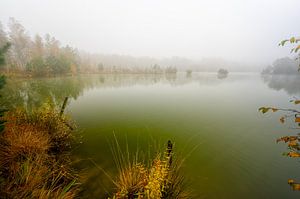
(34, 156)
(162, 179)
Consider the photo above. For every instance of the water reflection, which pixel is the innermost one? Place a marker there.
(33, 92)
(288, 83)
(222, 76)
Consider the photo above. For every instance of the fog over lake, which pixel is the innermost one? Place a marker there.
(231, 146)
(149, 99)
(245, 32)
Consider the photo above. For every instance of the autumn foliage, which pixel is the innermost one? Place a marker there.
(162, 179)
(34, 155)
(293, 141)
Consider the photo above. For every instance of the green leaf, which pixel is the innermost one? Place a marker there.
(67, 188)
(264, 109)
(282, 43)
(293, 40)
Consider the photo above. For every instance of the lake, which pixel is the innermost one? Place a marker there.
(230, 148)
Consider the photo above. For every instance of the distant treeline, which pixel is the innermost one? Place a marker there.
(44, 56)
(282, 66)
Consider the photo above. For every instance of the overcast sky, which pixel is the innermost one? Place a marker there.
(238, 30)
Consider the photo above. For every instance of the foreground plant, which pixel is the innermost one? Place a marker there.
(293, 141)
(161, 179)
(294, 41)
(35, 155)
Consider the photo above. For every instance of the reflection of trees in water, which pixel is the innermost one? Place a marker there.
(33, 92)
(171, 77)
(222, 76)
(288, 83)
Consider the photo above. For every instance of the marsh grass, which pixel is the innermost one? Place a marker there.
(161, 178)
(35, 155)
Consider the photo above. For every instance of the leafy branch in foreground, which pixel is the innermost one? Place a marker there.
(296, 46)
(293, 141)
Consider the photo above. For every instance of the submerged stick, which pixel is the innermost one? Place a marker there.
(169, 152)
(62, 110)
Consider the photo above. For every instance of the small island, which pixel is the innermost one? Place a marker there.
(189, 73)
(222, 73)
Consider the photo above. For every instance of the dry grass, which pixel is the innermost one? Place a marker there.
(34, 155)
(162, 179)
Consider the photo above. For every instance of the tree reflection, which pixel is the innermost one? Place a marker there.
(31, 93)
(288, 83)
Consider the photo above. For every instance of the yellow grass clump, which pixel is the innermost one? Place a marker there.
(34, 155)
(162, 179)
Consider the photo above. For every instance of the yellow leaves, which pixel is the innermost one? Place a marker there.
(292, 39)
(263, 109)
(297, 48)
(293, 143)
(156, 180)
(297, 101)
(295, 186)
(291, 181)
(297, 119)
(266, 109)
(151, 182)
(293, 154)
(287, 139)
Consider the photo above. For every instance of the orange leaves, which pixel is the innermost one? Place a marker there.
(288, 139)
(297, 119)
(293, 143)
(291, 181)
(293, 154)
(295, 186)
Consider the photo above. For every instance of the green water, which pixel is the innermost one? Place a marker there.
(230, 147)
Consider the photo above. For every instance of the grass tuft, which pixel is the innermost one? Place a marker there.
(162, 179)
(35, 155)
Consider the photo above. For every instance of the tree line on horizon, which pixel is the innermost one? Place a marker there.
(45, 56)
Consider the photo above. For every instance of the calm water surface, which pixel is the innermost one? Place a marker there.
(230, 147)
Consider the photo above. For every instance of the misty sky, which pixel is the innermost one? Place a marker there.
(238, 30)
